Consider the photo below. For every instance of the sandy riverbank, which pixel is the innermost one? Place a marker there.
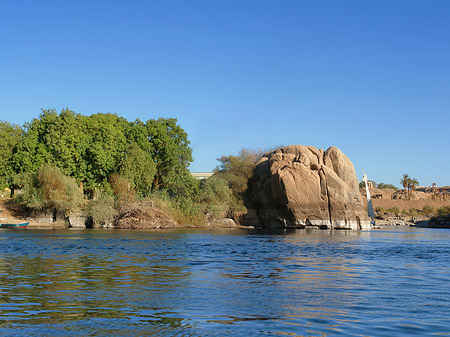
(13, 213)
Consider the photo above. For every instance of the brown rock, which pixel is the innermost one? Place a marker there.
(298, 186)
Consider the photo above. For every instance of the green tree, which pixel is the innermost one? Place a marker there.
(31, 151)
(139, 168)
(216, 197)
(384, 185)
(107, 146)
(153, 155)
(237, 171)
(405, 182)
(413, 183)
(172, 155)
(10, 135)
(408, 184)
(67, 139)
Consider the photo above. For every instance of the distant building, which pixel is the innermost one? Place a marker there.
(430, 189)
(202, 175)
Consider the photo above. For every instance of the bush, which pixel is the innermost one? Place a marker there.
(182, 209)
(122, 189)
(444, 210)
(394, 210)
(102, 210)
(428, 210)
(380, 209)
(412, 212)
(50, 188)
(383, 186)
(216, 197)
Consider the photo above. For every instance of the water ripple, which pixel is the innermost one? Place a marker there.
(221, 282)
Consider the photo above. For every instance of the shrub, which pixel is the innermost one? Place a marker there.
(122, 189)
(215, 196)
(102, 210)
(182, 209)
(444, 210)
(50, 188)
(428, 210)
(412, 212)
(394, 210)
(383, 185)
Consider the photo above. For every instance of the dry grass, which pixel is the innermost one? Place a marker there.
(406, 205)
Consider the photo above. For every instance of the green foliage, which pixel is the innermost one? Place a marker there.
(107, 145)
(183, 210)
(409, 184)
(380, 209)
(123, 190)
(171, 153)
(102, 210)
(216, 197)
(152, 155)
(383, 186)
(188, 211)
(50, 188)
(411, 212)
(393, 210)
(237, 170)
(375, 185)
(139, 168)
(428, 210)
(444, 210)
(10, 135)
(31, 195)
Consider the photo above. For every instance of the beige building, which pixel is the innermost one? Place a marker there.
(202, 175)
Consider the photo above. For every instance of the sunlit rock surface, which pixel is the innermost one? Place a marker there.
(299, 186)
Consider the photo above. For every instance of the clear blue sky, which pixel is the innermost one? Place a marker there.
(371, 77)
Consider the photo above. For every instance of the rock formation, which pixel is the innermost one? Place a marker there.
(298, 186)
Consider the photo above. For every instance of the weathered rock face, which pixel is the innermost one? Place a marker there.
(298, 186)
(77, 221)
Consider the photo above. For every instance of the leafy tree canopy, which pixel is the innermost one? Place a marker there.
(237, 171)
(151, 155)
(10, 135)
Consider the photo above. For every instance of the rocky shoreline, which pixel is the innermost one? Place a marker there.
(139, 218)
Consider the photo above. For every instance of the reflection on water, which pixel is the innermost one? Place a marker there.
(224, 282)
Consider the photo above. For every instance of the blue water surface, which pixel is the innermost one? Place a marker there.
(390, 282)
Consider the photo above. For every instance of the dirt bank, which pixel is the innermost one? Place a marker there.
(403, 204)
(10, 212)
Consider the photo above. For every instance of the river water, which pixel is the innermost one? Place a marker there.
(390, 282)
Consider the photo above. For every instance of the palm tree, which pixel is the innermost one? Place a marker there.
(413, 182)
(405, 183)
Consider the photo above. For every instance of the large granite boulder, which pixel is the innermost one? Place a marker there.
(299, 186)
